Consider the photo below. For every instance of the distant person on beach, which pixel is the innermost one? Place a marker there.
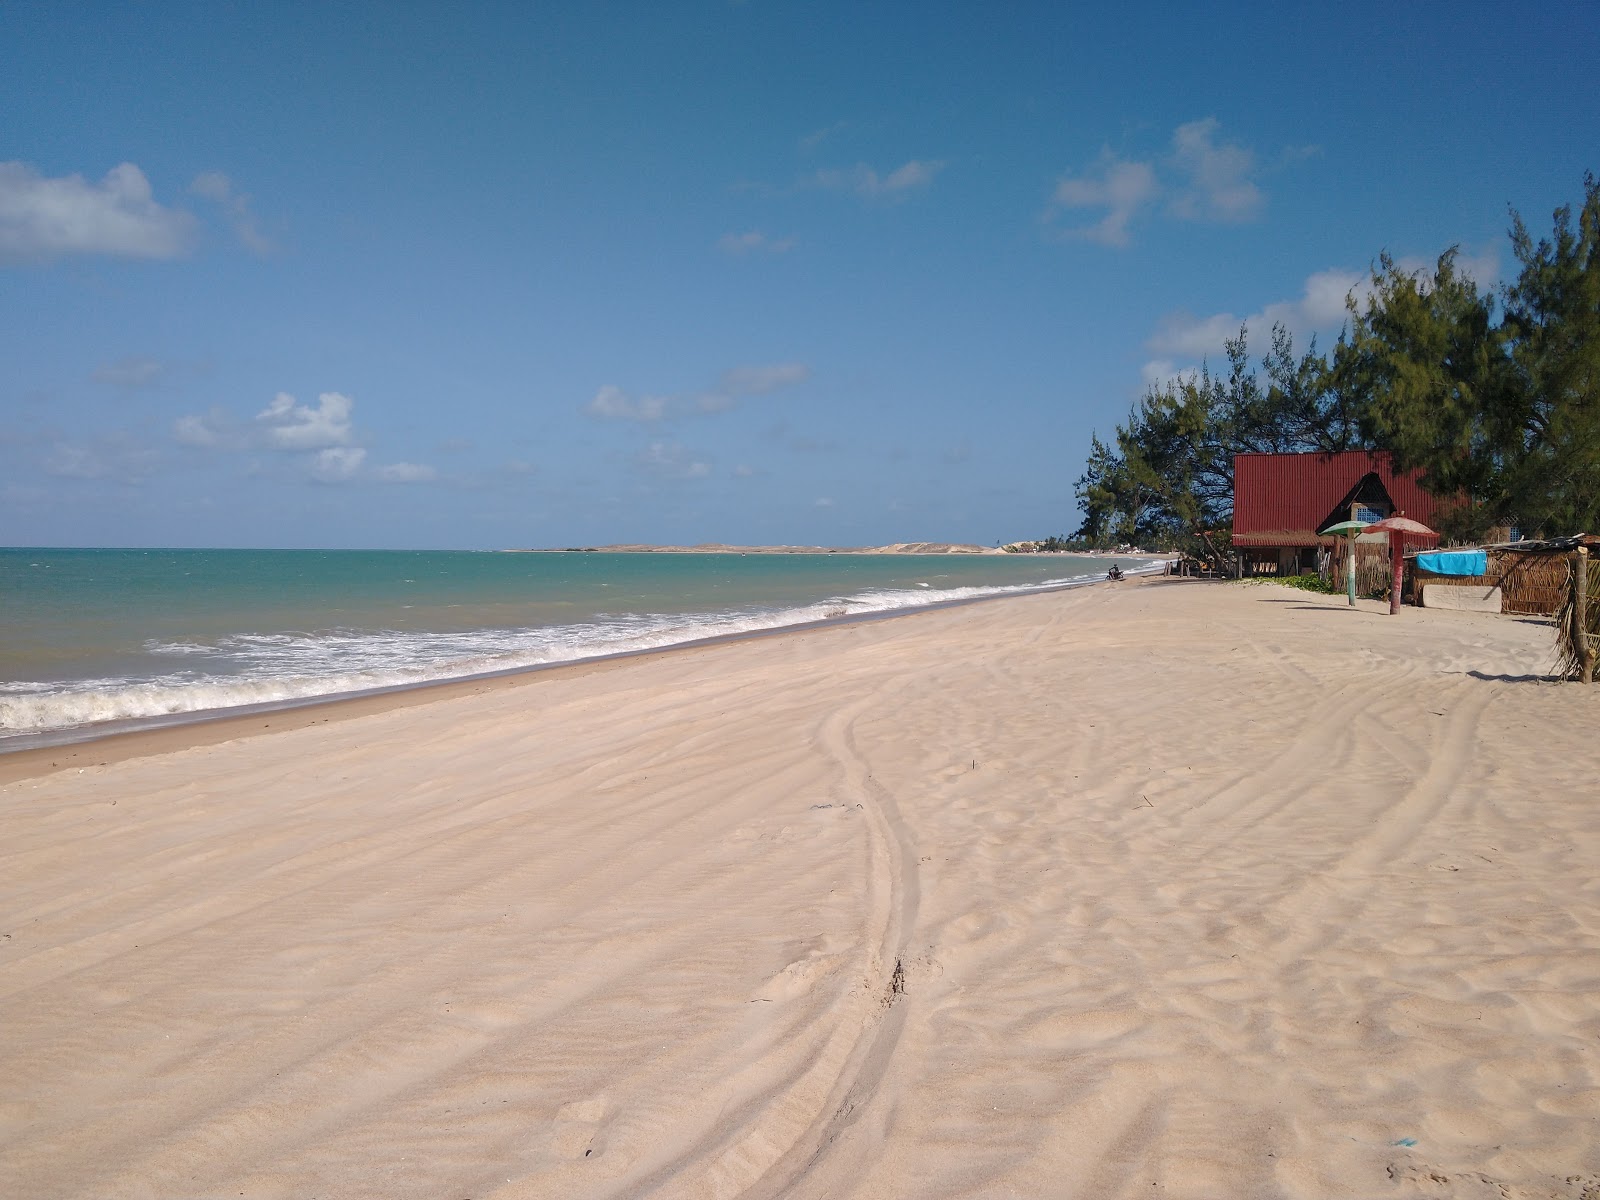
(1115, 572)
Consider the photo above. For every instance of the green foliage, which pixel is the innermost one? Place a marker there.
(1503, 419)
(1436, 375)
(1168, 476)
(1310, 583)
(1553, 322)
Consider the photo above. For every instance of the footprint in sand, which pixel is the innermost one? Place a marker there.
(578, 1128)
(801, 975)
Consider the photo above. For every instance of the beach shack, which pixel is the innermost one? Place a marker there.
(1282, 501)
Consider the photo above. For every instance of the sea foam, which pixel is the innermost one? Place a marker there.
(249, 670)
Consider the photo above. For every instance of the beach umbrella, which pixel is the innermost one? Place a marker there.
(1348, 531)
(1397, 527)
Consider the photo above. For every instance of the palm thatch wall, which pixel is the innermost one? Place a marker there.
(1531, 581)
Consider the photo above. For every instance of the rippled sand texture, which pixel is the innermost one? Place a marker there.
(1176, 889)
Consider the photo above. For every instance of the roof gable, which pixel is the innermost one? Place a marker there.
(1303, 493)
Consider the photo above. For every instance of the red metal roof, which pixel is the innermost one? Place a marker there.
(1283, 499)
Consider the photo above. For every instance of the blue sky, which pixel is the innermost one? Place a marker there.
(535, 275)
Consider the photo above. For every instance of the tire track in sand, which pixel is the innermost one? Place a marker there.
(760, 1159)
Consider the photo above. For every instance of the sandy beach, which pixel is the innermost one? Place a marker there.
(1157, 889)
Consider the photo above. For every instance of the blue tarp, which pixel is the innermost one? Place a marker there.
(1455, 562)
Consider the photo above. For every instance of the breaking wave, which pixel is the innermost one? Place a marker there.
(274, 669)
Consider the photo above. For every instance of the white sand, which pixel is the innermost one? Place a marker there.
(1195, 889)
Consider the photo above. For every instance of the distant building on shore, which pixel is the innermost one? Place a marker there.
(1280, 501)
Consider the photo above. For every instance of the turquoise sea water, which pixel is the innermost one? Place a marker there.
(90, 637)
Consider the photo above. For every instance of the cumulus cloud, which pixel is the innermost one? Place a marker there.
(611, 403)
(1219, 187)
(218, 188)
(865, 182)
(214, 429)
(1182, 340)
(672, 461)
(321, 439)
(1203, 178)
(753, 242)
(130, 372)
(291, 426)
(337, 464)
(44, 218)
(1120, 187)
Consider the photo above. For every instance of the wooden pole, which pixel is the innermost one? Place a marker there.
(1350, 557)
(1397, 560)
(1580, 616)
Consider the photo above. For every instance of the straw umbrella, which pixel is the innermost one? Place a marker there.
(1348, 531)
(1397, 527)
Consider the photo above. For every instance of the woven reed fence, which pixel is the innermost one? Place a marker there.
(1530, 582)
(1373, 575)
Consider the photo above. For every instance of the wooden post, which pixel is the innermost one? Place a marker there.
(1580, 615)
(1350, 557)
(1397, 567)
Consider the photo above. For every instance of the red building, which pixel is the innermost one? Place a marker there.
(1282, 501)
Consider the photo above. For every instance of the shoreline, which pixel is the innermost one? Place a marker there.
(75, 748)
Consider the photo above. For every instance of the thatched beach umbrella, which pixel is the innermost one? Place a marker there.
(1348, 531)
(1397, 527)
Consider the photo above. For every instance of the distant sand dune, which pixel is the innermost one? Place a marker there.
(1170, 888)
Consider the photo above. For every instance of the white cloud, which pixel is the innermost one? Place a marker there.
(1182, 340)
(1183, 335)
(1120, 187)
(337, 464)
(744, 471)
(404, 472)
(211, 430)
(758, 381)
(824, 502)
(44, 218)
(320, 437)
(867, 183)
(1157, 371)
(611, 403)
(218, 188)
(292, 426)
(754, 242)
(1219, 184)
(1214, 182)
(129, 372)
(673, 461)
(812, 140)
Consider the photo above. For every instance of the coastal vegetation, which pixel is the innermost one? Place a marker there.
(1493, 396)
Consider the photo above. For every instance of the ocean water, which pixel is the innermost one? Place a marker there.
(98, 640)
